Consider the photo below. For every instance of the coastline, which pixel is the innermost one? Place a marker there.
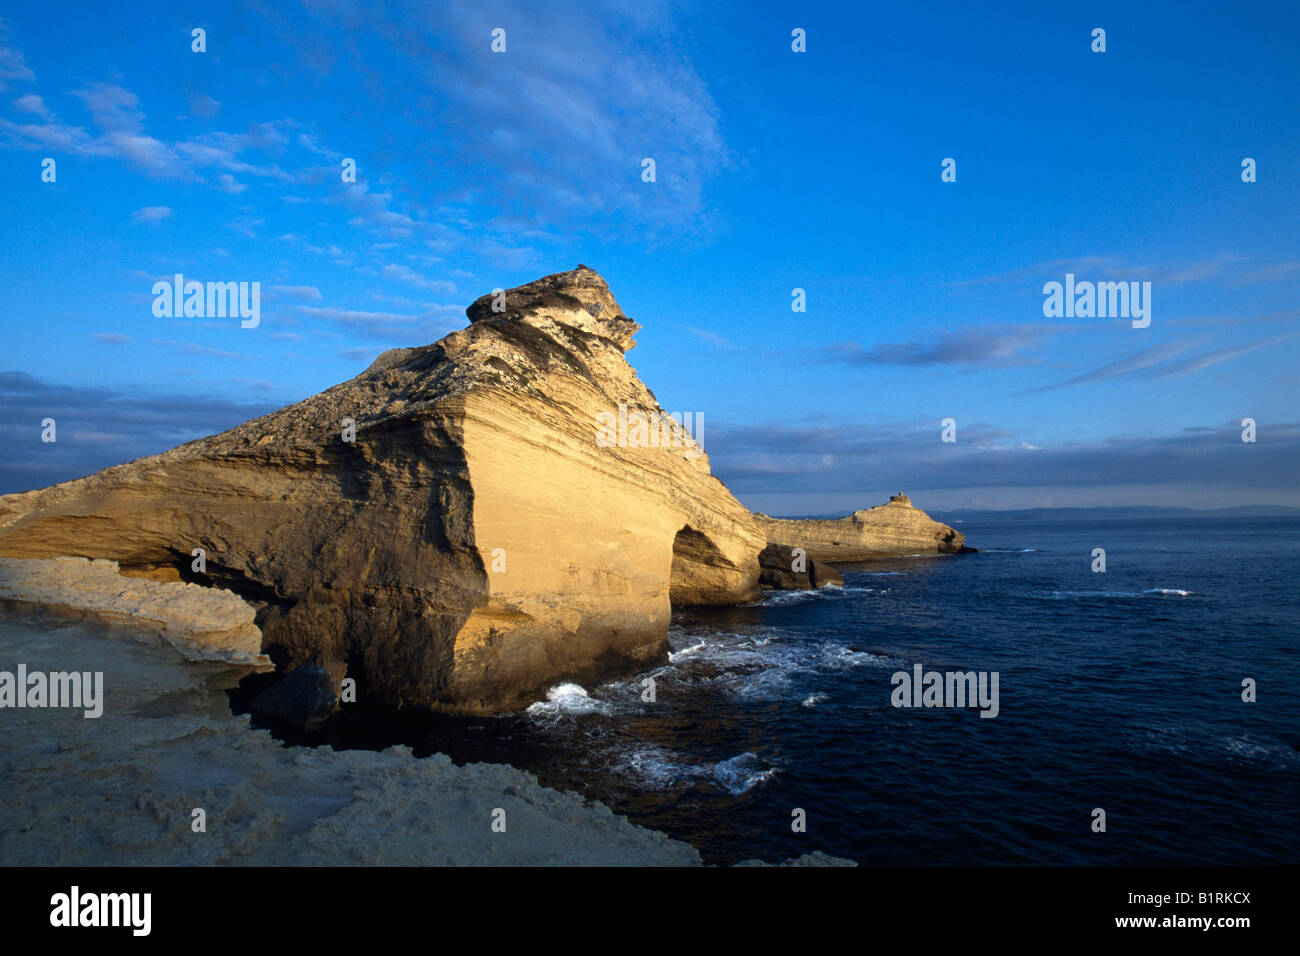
(122, 789)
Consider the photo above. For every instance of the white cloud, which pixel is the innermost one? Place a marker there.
(31, 103)
(245, 226)
(354, 316)
(12, 66)
(120, 124)
(374, 210)
(204, 106)
(594, 115)
(151, 214)
(404, 274)
(297, 291)
(113, 108)
(229, 184)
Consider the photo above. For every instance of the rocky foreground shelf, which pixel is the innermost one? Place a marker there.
(124, 789)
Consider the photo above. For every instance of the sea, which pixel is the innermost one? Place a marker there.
(1123, 735)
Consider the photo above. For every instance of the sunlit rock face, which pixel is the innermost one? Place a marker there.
(477, 541)
(889, 529)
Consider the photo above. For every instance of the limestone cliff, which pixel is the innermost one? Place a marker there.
(889, 529)
(475, 543)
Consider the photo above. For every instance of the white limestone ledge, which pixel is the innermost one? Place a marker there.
(204, 624)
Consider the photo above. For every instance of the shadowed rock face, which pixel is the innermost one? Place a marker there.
(473, 545)
(304, 699)
(778, 564)
(890, 529)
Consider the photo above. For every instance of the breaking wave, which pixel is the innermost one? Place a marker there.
(742, 773)
(1161, 592)
(568, 699)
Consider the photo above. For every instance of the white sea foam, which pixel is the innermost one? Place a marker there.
(831, 591)
(570, 699)
(837, 657)
(1164, 592)
(758, 665)
(656, 767)
(742, 773)
(1275, 753)
(675, 656)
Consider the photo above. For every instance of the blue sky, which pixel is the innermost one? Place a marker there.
(775, 170)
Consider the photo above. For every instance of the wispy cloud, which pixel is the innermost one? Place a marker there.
(1196, 363)
(228, 184)
(711, 337)
(119, 133)
(847, 457)
(204, 106)
(151, 214)
(405, 274)
(630, 95)
(395, 327)
(245, 226)
(305, 292)
(12, 66)
(375, 210)
(190, 348)
(1227, 266)
(990, 346)
(31, 103)
(1100, 265)
(1158, 361)
(1138, 361)
(1274, 272)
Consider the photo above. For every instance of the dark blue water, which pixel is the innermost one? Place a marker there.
(1119, 690)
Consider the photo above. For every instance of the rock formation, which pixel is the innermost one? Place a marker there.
(889, 529)
(781, 569)
(204, 624)
(303, 700)
(474, 543)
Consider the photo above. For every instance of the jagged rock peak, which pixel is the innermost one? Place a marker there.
(579, 298)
